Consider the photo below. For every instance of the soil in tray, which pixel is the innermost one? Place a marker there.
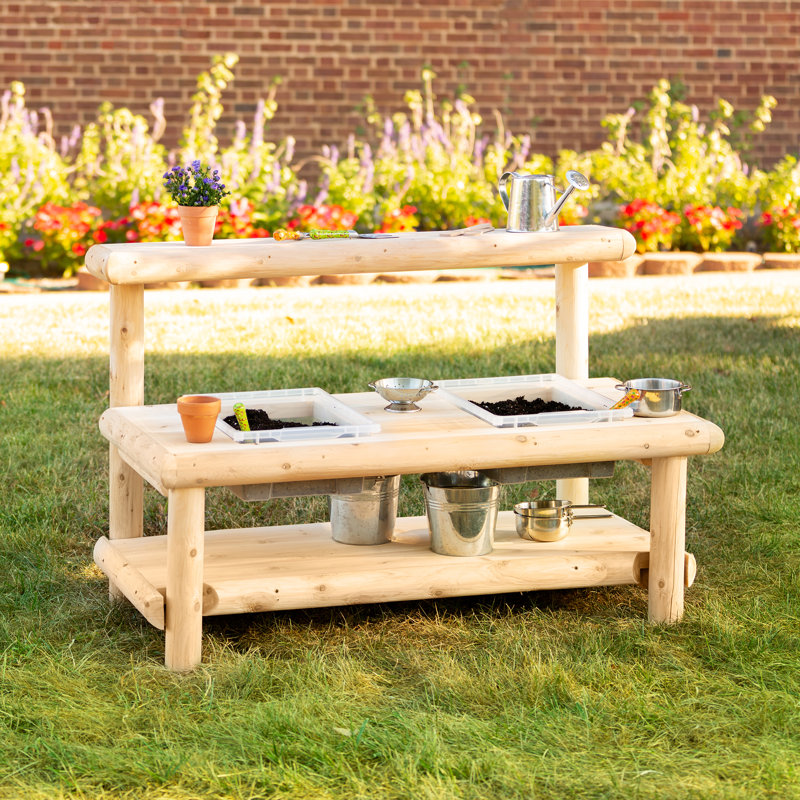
(519, 405)
(260, 420)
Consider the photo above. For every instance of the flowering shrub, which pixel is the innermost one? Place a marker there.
(61, 235)
(678, 159)
(152, 222)
(239, 222)
(780, 229)
(119, 162)
(195, 185)
(431, 156)
(709, 228)
(651, 225)
(428, 166)
(32, 172)
(572, 213)
(400, 220)
(323, 217)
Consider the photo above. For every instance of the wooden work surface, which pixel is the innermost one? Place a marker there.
(148, 262)
(441, 437)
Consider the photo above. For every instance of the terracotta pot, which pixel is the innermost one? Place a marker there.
(670, 263)
(781, 261)
(198, 223)
(626, 268)
(199, 416)
(730, 261)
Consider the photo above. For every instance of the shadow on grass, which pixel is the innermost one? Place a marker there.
(742, 501)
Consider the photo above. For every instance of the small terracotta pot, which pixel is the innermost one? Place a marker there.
(199, 416)
(198, 223)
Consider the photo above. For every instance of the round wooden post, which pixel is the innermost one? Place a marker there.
(667, 539)
(126, 388)
(184, 600)
(572, 348)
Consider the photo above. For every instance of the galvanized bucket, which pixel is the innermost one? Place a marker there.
(367, 517)
(462, 512)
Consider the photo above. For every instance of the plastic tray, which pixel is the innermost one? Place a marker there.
(595, 407)
(304, 405)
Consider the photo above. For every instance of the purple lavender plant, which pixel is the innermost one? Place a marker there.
(195, 185)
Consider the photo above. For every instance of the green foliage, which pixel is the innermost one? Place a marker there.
(652, 226)
(120, 161)
(431, 156)
(781, 185)
(32, 172)
(780, 228)
(199, 138)
(260, 171)
(708, 228)
(676, 159)
(431, 165)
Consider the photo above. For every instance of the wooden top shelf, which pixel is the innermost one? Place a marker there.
(151, 262)
(439, 438)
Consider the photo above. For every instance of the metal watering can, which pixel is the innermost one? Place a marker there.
(531, 200)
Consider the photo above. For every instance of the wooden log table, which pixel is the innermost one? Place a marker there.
(176, 579)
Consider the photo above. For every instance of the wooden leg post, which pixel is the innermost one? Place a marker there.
(572, 349)
(667, 539)
(184, 601)
(126, 388)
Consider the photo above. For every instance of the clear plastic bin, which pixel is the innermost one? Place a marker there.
(300, 405)
(594, 407)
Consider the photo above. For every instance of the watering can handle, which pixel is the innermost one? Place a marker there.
(502, 186)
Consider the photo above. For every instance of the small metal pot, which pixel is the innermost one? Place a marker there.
(548, 520)
(658, 397)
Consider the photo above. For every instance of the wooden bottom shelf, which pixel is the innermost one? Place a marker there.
(300, 566)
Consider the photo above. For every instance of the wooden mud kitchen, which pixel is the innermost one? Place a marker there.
(176, 579)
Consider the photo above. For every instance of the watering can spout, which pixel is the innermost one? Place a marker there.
(576, 181)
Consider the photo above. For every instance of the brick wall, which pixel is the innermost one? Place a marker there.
(553, 67)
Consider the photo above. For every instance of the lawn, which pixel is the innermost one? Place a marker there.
(548, 695)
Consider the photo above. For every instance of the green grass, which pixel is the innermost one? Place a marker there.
(544, 695)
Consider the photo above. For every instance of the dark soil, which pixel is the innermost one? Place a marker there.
(519, 405)
(259, 420)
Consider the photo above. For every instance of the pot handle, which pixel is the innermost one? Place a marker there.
(371, 384)
(684, 387)
(502, 186)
